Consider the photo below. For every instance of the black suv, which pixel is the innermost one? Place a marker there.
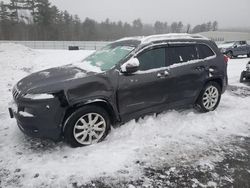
(125, 80)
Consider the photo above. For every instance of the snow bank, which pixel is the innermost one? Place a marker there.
(16, 48)
(17, 61)
(173, 137)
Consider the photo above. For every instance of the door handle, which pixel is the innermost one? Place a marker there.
(200, 68)
(166, 73)
(159, 75)
(163, 75)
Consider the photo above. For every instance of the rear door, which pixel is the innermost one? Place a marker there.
(187, 70)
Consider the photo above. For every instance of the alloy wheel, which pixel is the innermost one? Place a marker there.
(89, 128)
(210, 97)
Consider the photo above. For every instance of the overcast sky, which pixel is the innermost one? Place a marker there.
(229, 13)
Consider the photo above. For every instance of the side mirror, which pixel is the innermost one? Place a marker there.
(131, 66)
(235, 46)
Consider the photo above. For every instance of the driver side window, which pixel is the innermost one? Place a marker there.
(152, 59)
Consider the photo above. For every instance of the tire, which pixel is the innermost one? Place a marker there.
(242, 76)
(209, 97)
(86, 126)
(230, 54)
(248, 55)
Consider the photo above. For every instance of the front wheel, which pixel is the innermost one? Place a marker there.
(209, 97)
(86, 126)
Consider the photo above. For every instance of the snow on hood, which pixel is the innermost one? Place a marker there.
(50, 79)
(86, 65)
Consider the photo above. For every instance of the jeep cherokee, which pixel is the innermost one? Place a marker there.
(125, 80)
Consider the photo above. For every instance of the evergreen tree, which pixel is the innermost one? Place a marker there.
(159, 27)
(215, 26)
(179, 27)
(137, 27)
(47, 22)
(4, 15)
(13, 8)
(174, 27)
(43, 13)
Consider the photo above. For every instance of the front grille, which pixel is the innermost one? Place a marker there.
(15, 93)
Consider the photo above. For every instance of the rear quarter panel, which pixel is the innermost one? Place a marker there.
(219, 65)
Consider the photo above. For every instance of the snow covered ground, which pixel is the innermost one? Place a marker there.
(175, 149)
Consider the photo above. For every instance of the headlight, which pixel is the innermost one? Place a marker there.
(39, 96)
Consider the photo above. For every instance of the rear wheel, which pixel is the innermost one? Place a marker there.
(248, 55)
(86, 126)
(209, 97)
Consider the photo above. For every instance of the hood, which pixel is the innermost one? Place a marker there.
(50, 80)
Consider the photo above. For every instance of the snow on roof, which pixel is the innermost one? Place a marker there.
(169, 36)
(139, 38)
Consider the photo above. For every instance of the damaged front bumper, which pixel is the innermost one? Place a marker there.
(38, 118)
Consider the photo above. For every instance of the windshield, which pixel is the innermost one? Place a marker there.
(109, 56)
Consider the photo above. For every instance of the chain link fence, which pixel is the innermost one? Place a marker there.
(82, 45)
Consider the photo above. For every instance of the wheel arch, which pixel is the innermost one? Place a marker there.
(217, 80)
(97, 102)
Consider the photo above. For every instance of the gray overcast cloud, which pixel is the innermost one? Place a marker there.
(229, 13)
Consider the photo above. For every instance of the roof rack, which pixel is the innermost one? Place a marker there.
(153, 38)
(130, 38)
(169, 36)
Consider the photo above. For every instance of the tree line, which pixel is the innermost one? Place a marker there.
(39, 20)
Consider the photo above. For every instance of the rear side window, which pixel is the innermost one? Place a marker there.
(180, 54)
(204, 51)
(152, 59)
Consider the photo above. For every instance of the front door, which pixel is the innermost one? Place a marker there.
(146, 90)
